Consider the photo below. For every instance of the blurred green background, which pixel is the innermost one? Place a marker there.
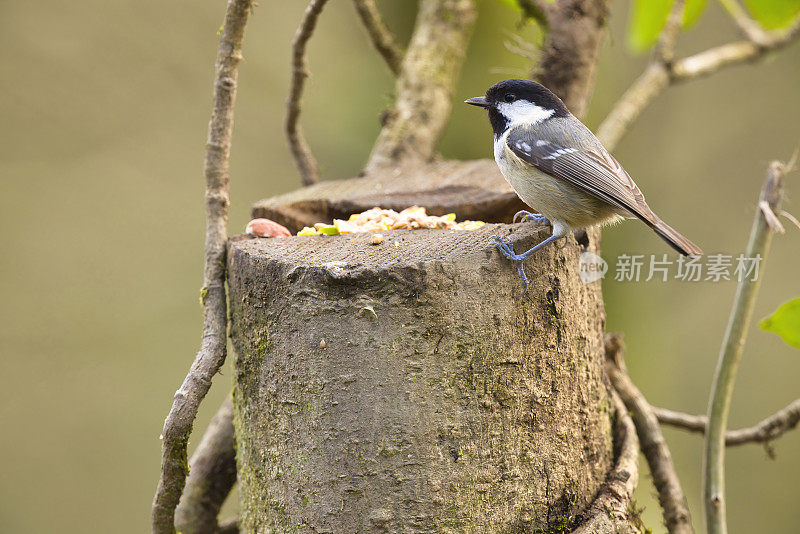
(104, 107)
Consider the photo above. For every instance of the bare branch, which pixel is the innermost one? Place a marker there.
(665, 48)
(753, 30)
(661, 73)
(412, 128)
(771, 218)
(665, 478)
(789, 216)
(767, 430)
(730, 355)
(382, 39)
(303, 158)
(746, 25)
(212, 474)
(713, 59)
(212, 353)
(610, 510)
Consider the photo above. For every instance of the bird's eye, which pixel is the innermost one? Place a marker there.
(510, 97)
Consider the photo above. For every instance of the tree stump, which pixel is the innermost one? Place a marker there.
(403, 387)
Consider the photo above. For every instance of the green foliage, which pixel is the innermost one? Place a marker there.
(785, 322)
(519, 5)
(773, 14)
(649, 16)
(513, 4)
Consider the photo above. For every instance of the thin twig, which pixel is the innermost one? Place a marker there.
(729, 357)
(661, 73)
(382, 39)
(665, 48)
(665, 478)
(212, 474)
(746, 25)
(753, 30)
(789, 216)
(713, 59)
(212, 353)
(303, 157)
(766, 430)
(771, 218)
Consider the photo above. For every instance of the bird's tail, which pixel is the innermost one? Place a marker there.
(674, 239)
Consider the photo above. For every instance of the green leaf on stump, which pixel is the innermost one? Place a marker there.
(785, 322)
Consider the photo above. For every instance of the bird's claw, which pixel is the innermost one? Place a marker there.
(523, 279)
(525, 216)
(506, 248)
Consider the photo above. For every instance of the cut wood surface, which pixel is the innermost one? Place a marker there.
(404, 388)
(471, 189)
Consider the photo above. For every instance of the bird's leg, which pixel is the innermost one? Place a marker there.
(525, 216)
(506, 248)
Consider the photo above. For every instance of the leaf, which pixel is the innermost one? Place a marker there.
(513, 4)
(694, 8)
(649, 16)
(785, 322)
(773, 14)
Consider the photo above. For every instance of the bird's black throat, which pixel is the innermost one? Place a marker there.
(499, 121)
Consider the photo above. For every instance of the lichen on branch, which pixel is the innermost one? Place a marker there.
(414, 124)
(213, 348)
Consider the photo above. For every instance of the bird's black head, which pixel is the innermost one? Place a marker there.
(519, 101)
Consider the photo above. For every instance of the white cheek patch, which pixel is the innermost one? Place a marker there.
(523, 111)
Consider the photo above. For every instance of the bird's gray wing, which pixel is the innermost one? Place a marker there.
(584, 163)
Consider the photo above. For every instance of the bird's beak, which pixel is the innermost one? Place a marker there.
(479, 101)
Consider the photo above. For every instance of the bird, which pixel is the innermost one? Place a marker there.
(556, 164)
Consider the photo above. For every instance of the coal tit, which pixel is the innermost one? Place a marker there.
(557, 166)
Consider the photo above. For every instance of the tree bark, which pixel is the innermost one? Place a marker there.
(404, 388)
(571, 49)
(428, 72)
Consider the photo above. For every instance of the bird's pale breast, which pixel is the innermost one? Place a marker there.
(553, 198)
